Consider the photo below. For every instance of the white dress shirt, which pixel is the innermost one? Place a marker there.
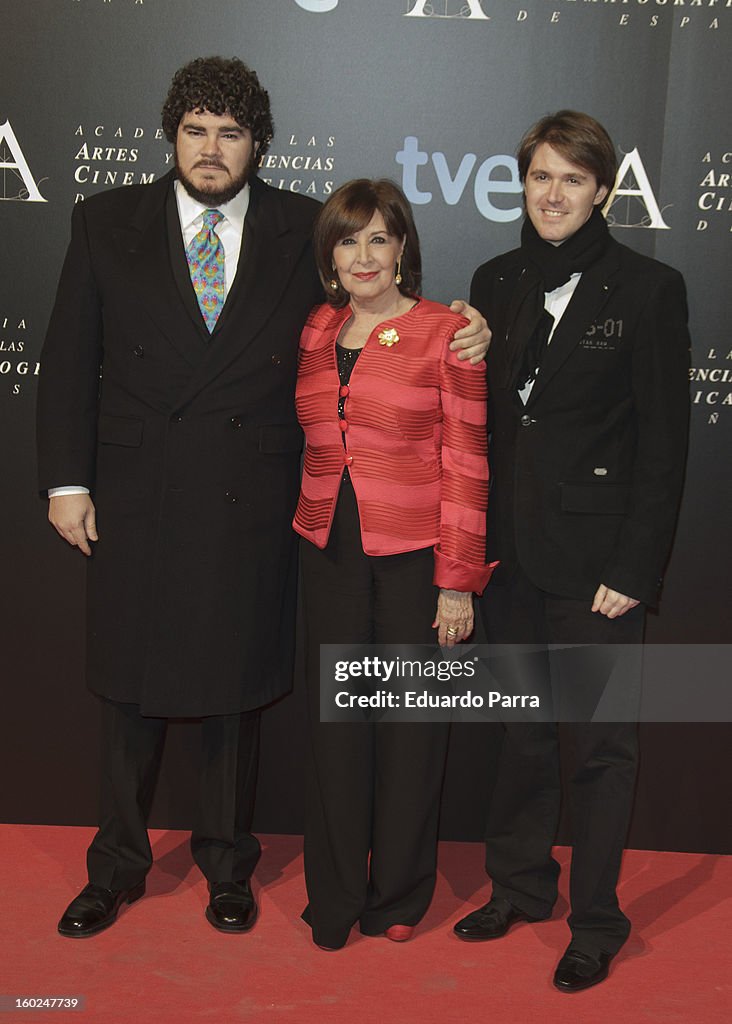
(230, 232)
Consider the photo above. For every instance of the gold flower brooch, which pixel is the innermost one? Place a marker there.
(388, 337)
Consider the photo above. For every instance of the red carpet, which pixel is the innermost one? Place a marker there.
(163, 962)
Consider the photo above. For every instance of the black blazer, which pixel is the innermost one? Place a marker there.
(189, 444)
(586, 478)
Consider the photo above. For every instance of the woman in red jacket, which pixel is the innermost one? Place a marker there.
(392, 508)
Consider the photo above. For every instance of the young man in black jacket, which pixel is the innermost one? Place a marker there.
(588, 374)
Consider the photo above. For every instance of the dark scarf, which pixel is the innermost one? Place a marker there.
(550, 266)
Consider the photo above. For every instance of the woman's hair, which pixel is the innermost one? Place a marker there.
(579, 138)
(350, 209)
(220, 86)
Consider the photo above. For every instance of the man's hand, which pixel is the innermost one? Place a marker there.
(470, 342)
(74, 517)
(611, 603)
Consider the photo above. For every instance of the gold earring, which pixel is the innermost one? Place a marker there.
(398, 277)
(334, 284)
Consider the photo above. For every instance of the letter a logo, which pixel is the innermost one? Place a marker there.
(317, 6)
(19, 184)
(426, 9)
(646, 214)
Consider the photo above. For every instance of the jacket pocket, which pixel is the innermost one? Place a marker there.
(595, 499)
(125, 431)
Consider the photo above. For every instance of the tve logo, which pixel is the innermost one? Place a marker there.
(498, 175)
(317, 6)
(12, 159)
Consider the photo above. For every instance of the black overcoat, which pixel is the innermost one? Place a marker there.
(586, 478)
(189, 445)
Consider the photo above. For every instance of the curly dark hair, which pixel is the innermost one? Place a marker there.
(220, 86)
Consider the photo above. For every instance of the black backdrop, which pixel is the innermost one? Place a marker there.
(436, 96)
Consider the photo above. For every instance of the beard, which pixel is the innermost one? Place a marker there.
(212, 196)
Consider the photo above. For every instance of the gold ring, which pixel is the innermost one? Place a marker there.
(451, 631)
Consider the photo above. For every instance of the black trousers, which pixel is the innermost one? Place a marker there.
(602, 756)
(373, 788)
(132, 747)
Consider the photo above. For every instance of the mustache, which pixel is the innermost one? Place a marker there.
(212, 163)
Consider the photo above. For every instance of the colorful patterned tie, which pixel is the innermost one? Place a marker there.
(205, 256)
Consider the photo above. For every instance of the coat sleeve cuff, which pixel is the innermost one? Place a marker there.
(453, 575)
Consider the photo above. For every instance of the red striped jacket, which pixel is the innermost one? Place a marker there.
(415, 441)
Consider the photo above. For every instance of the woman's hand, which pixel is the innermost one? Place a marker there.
(454, 619)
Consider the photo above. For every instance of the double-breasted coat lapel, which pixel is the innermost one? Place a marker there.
(181, 275)
(269, 254)
(148, 245)
(154, 248)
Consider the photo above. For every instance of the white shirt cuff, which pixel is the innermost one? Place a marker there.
(54, 492)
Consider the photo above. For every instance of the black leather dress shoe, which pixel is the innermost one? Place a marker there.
(96, 908)
(577, 970)
(231, 907)
(490, 922)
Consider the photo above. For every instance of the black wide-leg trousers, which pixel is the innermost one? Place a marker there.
(132, 747)
(373, 788)
(602, 758)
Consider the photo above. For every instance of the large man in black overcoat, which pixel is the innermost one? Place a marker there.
(189, 447)
(588, 396)
(166, 413)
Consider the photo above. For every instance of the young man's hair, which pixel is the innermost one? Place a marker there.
(220, 86)
(577, 137)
